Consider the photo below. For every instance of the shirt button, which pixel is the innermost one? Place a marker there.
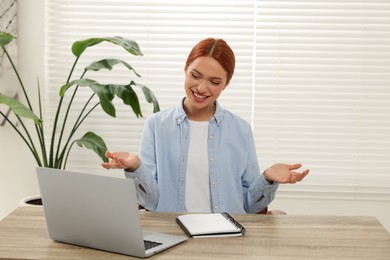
(212, 159)
(215, 207)
(213, 183)
(211, 137)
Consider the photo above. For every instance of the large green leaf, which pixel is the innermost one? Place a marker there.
(106, 94)
(5, 38)
(131, 46)
(109, 64)
(19, 109)
(129, 97)
(150, 97)
(94, 142)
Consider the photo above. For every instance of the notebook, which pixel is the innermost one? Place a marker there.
(97, 211)
(210, 225)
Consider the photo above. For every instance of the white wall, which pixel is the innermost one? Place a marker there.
(17, 173)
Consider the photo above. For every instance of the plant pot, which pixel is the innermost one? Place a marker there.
(31, 201)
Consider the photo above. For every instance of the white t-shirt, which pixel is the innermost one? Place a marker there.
(197, 192)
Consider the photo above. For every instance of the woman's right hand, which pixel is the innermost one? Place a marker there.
(122, 160)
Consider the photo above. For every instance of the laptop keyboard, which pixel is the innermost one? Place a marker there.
(150, 244)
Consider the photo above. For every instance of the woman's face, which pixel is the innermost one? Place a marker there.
(205, 79)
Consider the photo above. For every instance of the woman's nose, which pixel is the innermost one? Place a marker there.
(202, 87)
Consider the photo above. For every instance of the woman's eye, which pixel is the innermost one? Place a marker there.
(215, 83)
(195, 76)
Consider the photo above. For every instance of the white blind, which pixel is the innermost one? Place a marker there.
(312, 77)
(323, 94)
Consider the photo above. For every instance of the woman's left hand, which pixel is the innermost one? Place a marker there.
(285, 173)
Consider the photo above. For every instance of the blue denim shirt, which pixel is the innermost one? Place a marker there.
(237, 185)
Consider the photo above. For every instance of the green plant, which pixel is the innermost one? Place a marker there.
(54, 153)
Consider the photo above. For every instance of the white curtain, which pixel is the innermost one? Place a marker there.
(312, 77)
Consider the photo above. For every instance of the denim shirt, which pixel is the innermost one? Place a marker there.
(236, 183)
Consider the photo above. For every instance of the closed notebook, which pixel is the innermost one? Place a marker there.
(210, 225)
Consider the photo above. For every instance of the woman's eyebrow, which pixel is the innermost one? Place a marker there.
(197, 71)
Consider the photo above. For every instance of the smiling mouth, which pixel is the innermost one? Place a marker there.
(199, 97)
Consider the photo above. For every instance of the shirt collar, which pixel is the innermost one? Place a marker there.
(180, 114)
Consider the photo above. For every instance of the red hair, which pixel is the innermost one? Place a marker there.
(217, 49)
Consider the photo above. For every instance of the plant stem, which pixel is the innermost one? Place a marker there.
(30, 146)
(41, 131)
(76, 126)
(51, 161)
(67, 154)
(58, 159)
(17, 75)
(31, 141)
(53, 134)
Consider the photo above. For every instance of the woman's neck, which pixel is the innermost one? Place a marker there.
(204, 114)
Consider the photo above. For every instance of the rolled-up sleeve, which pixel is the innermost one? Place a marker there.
(147, 190)
(265, 194)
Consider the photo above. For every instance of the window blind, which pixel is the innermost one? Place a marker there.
(311, 77)
(322, 94)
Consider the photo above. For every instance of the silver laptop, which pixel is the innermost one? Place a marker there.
(99, 212)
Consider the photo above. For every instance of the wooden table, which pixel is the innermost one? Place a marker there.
(23, 235)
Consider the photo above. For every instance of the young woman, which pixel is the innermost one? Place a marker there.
(197, 156)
